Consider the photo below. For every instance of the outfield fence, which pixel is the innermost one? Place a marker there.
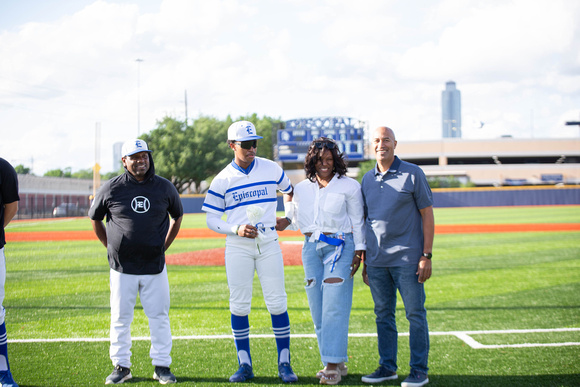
(465, 197)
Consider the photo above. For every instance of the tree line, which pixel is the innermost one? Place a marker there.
(186, 154)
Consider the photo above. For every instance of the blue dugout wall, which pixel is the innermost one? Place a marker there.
(506, 196)
(466, 197)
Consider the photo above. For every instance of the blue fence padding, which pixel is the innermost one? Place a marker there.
(463, 197)
(192, 204)
(506, 197)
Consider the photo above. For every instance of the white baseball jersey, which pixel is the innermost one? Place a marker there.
(231, 192)
(234, 188)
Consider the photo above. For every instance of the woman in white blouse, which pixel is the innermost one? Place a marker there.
(327, 208)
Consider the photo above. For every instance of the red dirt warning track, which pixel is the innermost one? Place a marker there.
(215, 257)
(290, 250)
(203, 233)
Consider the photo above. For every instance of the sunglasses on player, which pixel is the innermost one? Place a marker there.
(247, 144)
(328, 143)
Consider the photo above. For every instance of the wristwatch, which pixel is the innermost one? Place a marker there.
(428, 255)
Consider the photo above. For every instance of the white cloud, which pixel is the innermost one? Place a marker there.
(504, 40)
(386, 62)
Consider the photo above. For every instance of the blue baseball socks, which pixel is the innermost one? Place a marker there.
(281, 328)
(3, 348)
(241, 331)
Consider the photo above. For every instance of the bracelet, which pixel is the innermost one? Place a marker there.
(238, 229)
(358, 256)
(288, 219)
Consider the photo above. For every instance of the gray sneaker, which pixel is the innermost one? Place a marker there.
(415, 379)
(119, 375)
(381, 374)
(164, 375)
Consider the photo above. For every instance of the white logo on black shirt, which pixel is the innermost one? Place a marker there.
(140, 204)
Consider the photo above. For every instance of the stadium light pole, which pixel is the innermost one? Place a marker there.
(138, 60)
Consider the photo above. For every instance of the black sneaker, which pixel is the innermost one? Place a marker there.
(164, 375)
(415, 379)
(119, 375)
(381, 374)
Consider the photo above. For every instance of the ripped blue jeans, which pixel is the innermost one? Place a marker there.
(330, 302)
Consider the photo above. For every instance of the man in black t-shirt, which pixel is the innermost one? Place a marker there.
(138, 206)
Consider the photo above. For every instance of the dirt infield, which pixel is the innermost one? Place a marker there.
(290, 250)
(215, 257)
(203, 233)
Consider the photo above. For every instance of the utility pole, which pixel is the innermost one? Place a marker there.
(97, 167)
(138, 60)
(185, 108)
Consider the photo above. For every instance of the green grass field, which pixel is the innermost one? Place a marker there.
(497, 286)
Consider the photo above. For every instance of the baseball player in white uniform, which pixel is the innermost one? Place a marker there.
(245, 191)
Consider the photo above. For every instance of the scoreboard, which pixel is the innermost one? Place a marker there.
(294, 140)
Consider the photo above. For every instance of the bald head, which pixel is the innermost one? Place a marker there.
(383, 131)
(384, 144)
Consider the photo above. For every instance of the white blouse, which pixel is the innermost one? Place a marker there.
(338, 207)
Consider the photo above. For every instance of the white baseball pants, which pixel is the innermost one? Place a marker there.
(153, 290)
(243, 258)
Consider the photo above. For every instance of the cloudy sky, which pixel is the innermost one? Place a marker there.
(67, 67)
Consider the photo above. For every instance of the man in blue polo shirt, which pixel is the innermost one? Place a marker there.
(399, 228)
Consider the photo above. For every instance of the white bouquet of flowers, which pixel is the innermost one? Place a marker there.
(254, 214)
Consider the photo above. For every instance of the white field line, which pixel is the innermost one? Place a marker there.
(462, 335)
(467, 339)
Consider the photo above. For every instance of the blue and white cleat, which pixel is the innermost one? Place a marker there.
(286, 374)
(242, 374)
(6, 379)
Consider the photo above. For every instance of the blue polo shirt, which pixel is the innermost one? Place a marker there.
(393, 223)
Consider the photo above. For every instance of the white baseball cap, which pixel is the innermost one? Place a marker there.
(134, 146)
(242, 131)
